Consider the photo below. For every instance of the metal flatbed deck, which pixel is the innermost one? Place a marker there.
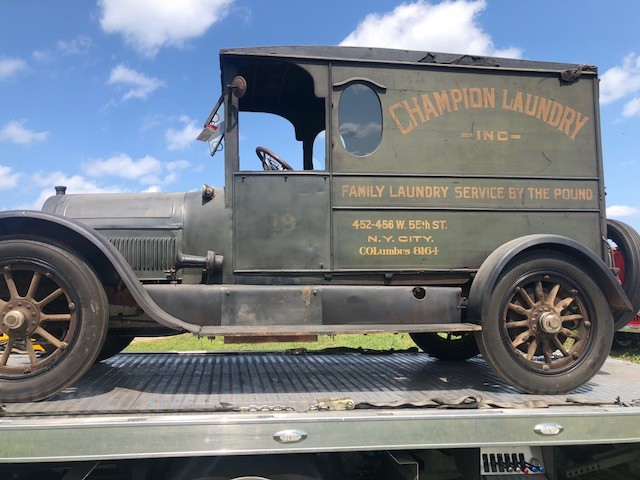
(195, 404)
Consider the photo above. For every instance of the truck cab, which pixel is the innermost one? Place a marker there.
(423, 161)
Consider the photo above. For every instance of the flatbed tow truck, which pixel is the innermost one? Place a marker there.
(296, 414)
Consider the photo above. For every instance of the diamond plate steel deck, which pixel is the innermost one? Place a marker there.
(205, 382)
(210, 404)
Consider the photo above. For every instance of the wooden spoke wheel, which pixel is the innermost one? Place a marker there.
(53, 313)
(549, 328)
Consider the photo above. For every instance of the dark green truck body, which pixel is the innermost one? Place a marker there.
(440, 175)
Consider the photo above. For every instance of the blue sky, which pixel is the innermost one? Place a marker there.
(108, 95)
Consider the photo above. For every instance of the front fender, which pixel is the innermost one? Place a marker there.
(494, 265)
(95, 248)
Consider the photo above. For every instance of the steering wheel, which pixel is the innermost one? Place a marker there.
(271, 161)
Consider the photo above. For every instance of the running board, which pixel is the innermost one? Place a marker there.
(311, 309)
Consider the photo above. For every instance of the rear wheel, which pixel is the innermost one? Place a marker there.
(447, 345)
(113, 345)
(624, 341)
(628, 242)
(548, 328)
(51, 298)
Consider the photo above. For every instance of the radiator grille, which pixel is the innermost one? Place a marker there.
(147, 253)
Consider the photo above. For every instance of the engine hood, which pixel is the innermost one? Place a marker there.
(121, 210)
(147, 228)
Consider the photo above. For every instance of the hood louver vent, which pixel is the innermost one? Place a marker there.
(147, 253)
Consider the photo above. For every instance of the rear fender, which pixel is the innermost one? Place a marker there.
(496, 263)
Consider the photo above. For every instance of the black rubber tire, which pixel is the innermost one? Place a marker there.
(628, 242)
(583, 358)
(624, 341)
(90, 311)
(113, 345)
(436, 345)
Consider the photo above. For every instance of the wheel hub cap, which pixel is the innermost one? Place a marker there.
(13, 319)
(550, 322)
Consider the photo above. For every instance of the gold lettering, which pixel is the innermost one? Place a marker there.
(567, 119)
(505, 105)
(544, 107)
(442, 101)
(573, 193)
(465, 98)
(537, 193)
(479, 193)
(408, 114)
(475, 98)
(579, 124)
(412, 111)
(428, 108)
(489, 97)
(392, 112)
(517, 102)
(530, 106)
(556, 114)
(456, 97)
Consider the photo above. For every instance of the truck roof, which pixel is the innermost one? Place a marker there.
(388, 55)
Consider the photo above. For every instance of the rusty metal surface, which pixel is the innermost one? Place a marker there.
(245, 382)
(231, 339)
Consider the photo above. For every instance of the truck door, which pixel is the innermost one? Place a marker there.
(281, 221)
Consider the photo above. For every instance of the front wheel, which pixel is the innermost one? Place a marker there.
(548, 328)
(48, 298)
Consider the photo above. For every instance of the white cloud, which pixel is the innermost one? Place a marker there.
(136, 84)
(450, 26)
(148, 25)
(177, 165)
(359, 130)
(151, 122)
(10, 66)
(78, 46)
(617, 211)
(74, 184)
(15, 132)
(153, 189)
(631, 108)
(8, 179)
(621, 80)
(123, 166)
(183, 138)
(146, 171)
(42, 55)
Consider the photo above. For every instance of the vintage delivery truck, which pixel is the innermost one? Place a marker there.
(457, 198)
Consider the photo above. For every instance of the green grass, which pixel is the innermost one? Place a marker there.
(383, 341)
(630, 355)
(188, 343)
